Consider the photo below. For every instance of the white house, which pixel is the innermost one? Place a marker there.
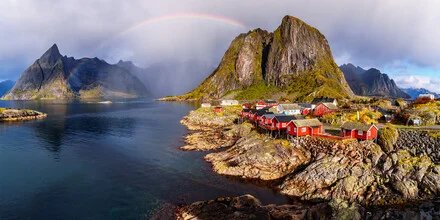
(431, 96)
(289, 109)
(229, 102)
(206, 105)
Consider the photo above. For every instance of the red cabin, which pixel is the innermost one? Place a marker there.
(305, 112)
(246, 106)
(245, 112)
(218, 109)
(324, 109)
(280, 122)
(359, 130)
(266, 104)
(304, 127)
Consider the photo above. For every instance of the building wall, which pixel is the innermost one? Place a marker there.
(321, 110)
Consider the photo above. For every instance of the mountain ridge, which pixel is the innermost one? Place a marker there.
(371, 82)
(415, 92)
(54, 76)
(5, 86)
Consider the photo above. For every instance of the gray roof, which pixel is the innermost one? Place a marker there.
(356, 126)
(290, 106)
(285, 118)
(307, 122)
(305, 105)
(330, 105)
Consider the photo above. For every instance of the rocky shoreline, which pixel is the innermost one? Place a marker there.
(316, 169)
(9, 114)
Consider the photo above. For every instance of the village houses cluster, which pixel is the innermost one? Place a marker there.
(289, 119)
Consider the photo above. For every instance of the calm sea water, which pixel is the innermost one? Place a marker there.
(105, 161)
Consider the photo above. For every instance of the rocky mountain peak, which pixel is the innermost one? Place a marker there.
(51, 55)
(296, 57)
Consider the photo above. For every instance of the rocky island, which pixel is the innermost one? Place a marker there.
(9, 114)
(350, 176)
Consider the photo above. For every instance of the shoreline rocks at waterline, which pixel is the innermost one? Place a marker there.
(9, 114)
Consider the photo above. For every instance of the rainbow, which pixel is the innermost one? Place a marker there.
(180, 16)
(172, 17)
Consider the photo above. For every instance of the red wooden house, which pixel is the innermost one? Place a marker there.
(218, 109)
(304, 127)
(267, 119)
(359, 130)
(324, 109)
(246, 106)
(266, 104)
(259, 114)
(245, 112)
(280, 122)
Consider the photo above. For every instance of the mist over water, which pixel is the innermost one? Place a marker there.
(105, 161)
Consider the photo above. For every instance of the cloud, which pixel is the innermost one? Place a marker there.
(369, 33)
(416, 81)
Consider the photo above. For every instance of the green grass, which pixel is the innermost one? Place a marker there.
(258, 91)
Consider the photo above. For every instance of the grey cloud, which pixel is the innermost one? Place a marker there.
(369, 33)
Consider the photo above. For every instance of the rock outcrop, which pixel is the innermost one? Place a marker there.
(371, 82)
(53, 76)
(9, 114)
(419, 143)
(248, 207)
(296, 58)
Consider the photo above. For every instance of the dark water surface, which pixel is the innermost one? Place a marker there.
(105, 161)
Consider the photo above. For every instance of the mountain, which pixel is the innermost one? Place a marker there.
(371, 82)
(293, 62)
(415, 92)
(169, 77)
(54, 76)
(5, 86)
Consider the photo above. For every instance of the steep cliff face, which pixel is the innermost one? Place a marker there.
(295, 61)
(371, 82)
(56, 77)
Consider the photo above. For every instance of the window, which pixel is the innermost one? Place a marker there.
(288, 128)
(294, 130)
(368, 133)
(303, 129)
(360, 133)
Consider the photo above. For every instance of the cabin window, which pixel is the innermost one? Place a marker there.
(303, 129)
(294, 130)
(360, 133)
(369, 133)
(288, 128)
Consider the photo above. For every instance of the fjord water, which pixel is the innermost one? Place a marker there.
(105, 161)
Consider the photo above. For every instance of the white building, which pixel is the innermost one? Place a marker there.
(289, 109)
(229, 102)
(206, 105)
(431, 96)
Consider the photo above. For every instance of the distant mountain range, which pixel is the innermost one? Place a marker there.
(169, 77)
(54, 76)
(371, 82)
(415, 92)
(293, 62)
(5, 86)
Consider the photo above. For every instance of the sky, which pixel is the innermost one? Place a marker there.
(401, 38)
